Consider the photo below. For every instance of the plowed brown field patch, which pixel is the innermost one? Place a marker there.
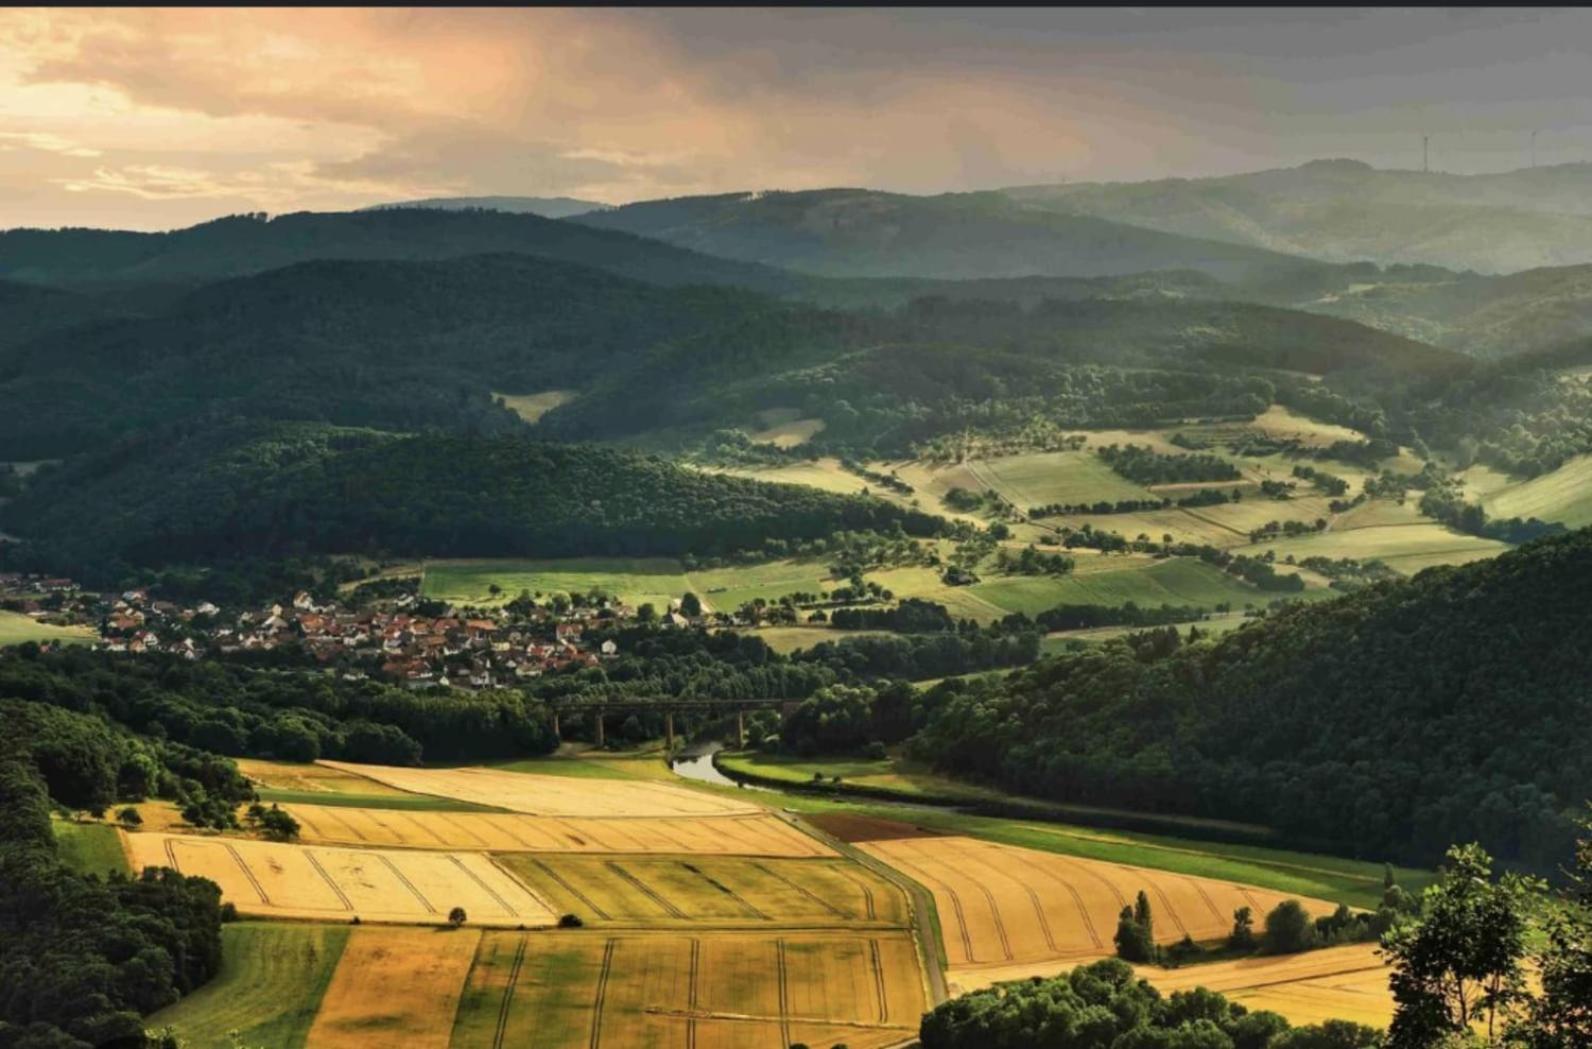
(999, 904)
(539, 795)
(302, 881)
(851, 828)
(754, 834)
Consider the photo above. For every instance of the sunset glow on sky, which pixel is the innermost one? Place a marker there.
(157, 118)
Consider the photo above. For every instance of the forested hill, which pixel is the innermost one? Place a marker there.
(215, 493)
(1391, 722)
(243, 244)
(378, 343)
(866, 233)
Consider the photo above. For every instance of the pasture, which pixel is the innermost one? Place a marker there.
(17, 629)
(556, 796)
(726, 589)
(532, 406)
(1404, 548)
(752, 834)
(716, 890)
(634, 580)
(300, 881)
(89, 848)
(1040, 478)
(273, 976)
(1565, 495)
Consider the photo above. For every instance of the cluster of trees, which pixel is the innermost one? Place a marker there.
(83, 959)
(1104, 1005)
(1079, 617)
(1031, 561)
(1318, 721)
(1331, 484)
(1273, 529)
(1147, 466)
(1445, 502)
(912, 615)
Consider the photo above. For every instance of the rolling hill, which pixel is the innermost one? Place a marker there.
(1346, 211)
(207, 494)
(865, 233)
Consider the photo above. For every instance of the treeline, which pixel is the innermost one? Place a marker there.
(1389, 722)
(911, 616)
(215, 494)
(1204, 497)
(82, 960)
(1082, 617)
(293, 715)
(1147, 466)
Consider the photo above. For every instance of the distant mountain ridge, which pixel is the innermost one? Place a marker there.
(1346, 211)
(547, 207)
(867, 233)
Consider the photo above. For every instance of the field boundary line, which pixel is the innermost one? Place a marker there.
(473, 876)
(337, 817)
(602, 993)
(449, 819)
(1000, 924)
(758, 1018)
(508, 993)
(646, 890)
(805, 891)
(249, 874)
(564, 884)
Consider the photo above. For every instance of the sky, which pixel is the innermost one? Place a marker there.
(159, 118)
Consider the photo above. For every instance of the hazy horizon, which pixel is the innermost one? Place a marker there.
(157, 119)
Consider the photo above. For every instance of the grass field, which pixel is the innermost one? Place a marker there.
(1041, 478)
(1404, 548)
(395, 987)
(1565, 495)
(532, 406)
(16, 629)
(272, 978)
(787, 639)
(999, 904)
(302, 881)
(90, 848)
(1176, 581)
(892, 774)
(754, 834)
(716, 890)
(726, 589)
(633, 580)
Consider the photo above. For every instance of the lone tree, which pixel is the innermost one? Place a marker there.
(457, 917)
(1289, 929)
(690, 605)
(1242, 938)
(278, 825)
(129, 818)
(1135, 938)
(1460, 963)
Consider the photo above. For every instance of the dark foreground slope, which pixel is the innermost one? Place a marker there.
(251, 489)
(1395, 721)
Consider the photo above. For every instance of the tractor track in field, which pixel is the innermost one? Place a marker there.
(508, 994)
(569, 888)
(473, 876)
(407, 883)
(602, 994)
(804, 891)
(255, 882)
(647, 891)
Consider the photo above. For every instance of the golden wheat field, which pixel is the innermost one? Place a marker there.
(1000, 904)
(551, 795)
(716, 990)
(395, 987)
(1344, 983)
(754, 834)
(717, 890)
(299, 881)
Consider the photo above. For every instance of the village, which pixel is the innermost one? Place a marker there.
(400, 638)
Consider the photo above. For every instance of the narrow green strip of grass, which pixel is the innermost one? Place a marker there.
(410, 802)
(90, 848)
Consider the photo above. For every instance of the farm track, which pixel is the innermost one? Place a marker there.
(809, 894)
(726, 890)
(646, 890)
(877, 966)
(473, 876)
(567, 887)
(418, 895)
(337, 890)
(602, 994)
(508, 994)
(247, 872)
(691, 992)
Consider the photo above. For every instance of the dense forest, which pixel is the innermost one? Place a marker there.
(207, 494)
(1318, 722)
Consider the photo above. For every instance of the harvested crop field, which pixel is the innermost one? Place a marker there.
(755, 834)
(1344, 983)
(395, 987)
(999, 904)
(551, 795)
(654, 890)
(710, 991)
(300, 881)
(312, 778)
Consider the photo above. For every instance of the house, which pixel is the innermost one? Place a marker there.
(304, 602)
(206, 609)
(610, 649)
